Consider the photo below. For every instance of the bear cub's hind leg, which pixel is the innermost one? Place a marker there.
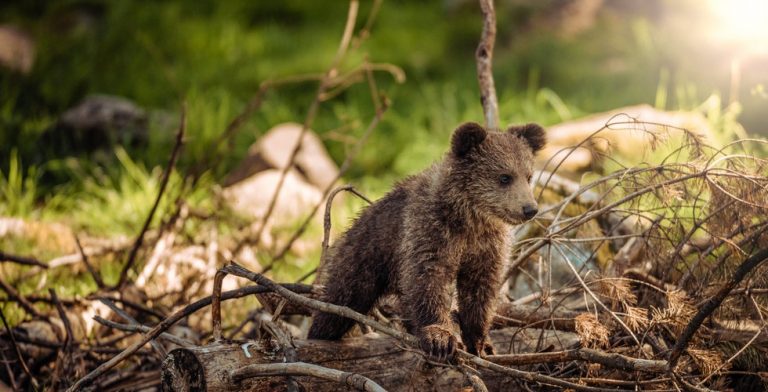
(358, 293)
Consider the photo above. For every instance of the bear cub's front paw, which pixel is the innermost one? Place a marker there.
(438, 342)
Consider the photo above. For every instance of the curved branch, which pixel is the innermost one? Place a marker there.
(306, 369)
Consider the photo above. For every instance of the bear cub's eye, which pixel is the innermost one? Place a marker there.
(505, 179)
(530, 177)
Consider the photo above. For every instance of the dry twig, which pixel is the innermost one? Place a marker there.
(18, 298)
(95, 274)
(164, 325)
(23, 260)
(310, 117)
(17, 351)
(163, 184)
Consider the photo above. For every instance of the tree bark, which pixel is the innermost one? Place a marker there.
(383, 360)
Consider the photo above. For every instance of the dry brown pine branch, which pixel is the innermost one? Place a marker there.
(328, 81)
(69, 339)
(558, 227)
(713, 303)
(254, 104)
(327, 216)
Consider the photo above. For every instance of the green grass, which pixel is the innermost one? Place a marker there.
(213, 56)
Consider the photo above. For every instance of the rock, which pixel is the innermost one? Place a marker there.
(632, 130)
(17, 49)
(251, 197)
(274, 149)
(101, 120)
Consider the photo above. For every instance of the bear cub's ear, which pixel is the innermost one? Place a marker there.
(466, 137)
(533, 134)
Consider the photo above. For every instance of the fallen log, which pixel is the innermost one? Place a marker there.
(382, 360)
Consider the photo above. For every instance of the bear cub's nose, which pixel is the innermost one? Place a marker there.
(529, 211)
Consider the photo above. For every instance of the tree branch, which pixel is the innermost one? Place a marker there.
(484, 58)
(306, 369)
(713, 303)
(167, 323)
(406, 338)
(163, 184)
(21, 260)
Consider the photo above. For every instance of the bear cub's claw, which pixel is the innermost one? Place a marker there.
(438, 343)
(482, 347)
(486, 347)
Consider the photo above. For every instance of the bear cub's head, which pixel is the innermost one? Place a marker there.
(494, 169)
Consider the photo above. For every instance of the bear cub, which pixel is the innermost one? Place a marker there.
(445, 228)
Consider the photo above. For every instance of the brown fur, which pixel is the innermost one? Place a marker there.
(446, 227)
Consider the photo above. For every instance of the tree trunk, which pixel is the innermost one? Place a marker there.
(382, 359)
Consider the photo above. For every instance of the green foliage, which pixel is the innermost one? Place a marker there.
(128, 193)
(213, 55)
(18, 190)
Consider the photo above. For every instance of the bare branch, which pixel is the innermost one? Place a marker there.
(142, 329)
(94, 274)
(163, 184)
(70, 338)
(127, 317)
(167, 323)
(310, 117)
(614, 361)
(21, 260)
(327, 216)
(306, 369)
(342, 170)
(484, 58)
(16, 296)
(20, 357)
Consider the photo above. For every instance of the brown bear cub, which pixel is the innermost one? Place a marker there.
(447, 227)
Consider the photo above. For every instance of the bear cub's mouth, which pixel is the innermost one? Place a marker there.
(514, 218)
